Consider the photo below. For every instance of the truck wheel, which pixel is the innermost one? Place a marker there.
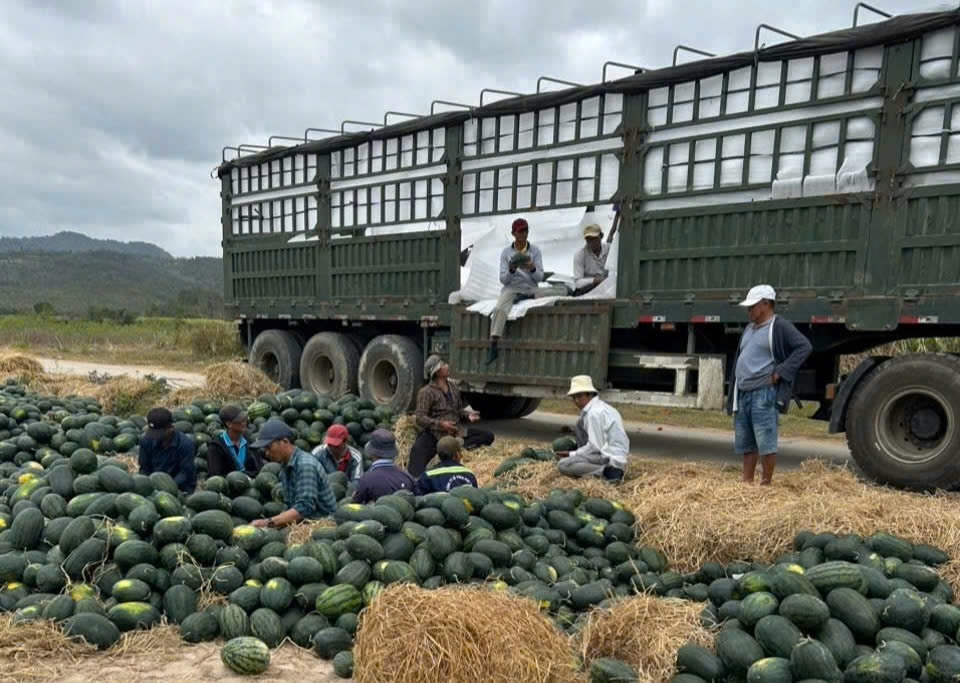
(277, 354)
(902, 426)
(329, 364)
(391, 372)
(530, 407)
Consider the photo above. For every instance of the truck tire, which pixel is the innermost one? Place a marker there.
(391, 372)
(496, 407)
(277, 354)
(329, 365)
(903, 425)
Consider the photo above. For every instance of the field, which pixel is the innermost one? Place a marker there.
(172, 342)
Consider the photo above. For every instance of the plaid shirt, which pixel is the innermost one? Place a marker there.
(305, 486)
(434, 406)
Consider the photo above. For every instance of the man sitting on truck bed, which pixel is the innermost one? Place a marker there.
(770, 352)
(441, 412)
(521, 272)
(590, 263)
(602, 441)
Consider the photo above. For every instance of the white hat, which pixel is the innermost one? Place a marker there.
(581, 384)
(593, 230)
(758, 294)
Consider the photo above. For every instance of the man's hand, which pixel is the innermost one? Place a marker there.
(528, 266)
(260, 523)
(774, 378)
(513, 268)
(561, 454)
(597, 279)
(474, 417)
(448, 427)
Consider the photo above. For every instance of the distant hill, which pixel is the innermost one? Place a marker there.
(76, 242)
(72, 274)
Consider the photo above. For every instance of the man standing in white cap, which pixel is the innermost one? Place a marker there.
(590, 263)
(770, 352)
(602, 441)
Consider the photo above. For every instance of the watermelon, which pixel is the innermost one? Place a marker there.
(246, 655)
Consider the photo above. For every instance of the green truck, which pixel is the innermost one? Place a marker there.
(828, 167)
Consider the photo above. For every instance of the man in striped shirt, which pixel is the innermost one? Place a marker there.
(441, 412)
(305, 488)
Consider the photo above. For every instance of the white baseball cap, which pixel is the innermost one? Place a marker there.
(758, 294)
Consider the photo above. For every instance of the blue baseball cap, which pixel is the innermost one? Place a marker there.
(272, 430)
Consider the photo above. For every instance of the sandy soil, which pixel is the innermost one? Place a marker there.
(199, 663)
(175, 378)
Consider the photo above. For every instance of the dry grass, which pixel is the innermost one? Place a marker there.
(411, 635)
(302, 532)
(38, 650)
(24, 368)
(234, 379)
(644, 631)
(405, 432)
(698, 512)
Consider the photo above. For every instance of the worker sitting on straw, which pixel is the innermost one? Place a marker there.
(770, 352)
(602, 441)
(521, 272)
(383, 477)
(164, 449)
(590, 263)
(229, 451)
(336, 455)
(305, 488)
(441, 412)
(449, 473)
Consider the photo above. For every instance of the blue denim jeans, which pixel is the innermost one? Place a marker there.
(755, 422)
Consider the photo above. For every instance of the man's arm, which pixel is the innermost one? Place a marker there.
(326, 502)
(424, 408)
(594, 435)
(361, 495)
(537, 258)
(186, 478)
(506, 271)
(799, 348)
(423, 485)
(305, 491)
(145, 457)
(578, 265)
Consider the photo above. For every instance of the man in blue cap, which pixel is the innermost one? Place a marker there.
(305, 488)
(383, 477)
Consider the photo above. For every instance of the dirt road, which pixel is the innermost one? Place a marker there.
(646, 440)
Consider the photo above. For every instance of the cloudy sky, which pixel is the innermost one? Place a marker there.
(114, 112)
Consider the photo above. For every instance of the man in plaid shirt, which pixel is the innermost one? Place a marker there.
(304, 480)
(441, 412)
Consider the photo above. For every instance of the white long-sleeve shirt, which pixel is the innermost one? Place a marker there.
(587, 265)
(604, 433)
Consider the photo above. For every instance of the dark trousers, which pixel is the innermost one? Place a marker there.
(425, 447)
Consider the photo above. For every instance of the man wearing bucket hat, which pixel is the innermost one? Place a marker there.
(383, 477)
(441, 412)
(590, 263)
(521, 272)
(305, 488)
(164, 449)
(602, 441)
(449, 473)
(336, 455)
(770, 352)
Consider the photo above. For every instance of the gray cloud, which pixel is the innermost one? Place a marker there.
(113, 113)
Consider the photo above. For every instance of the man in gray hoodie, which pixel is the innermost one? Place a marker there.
(770, 352)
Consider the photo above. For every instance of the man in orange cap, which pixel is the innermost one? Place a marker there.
(521, 272)
(336, 455)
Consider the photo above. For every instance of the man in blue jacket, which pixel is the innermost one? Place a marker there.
(164, 449)
(770, 352)
(449, 473)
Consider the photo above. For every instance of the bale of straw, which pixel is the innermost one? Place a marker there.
(234, 379)
(411, 635)
(644, 631)
(302, 531)
(405, 432)
(24, 368)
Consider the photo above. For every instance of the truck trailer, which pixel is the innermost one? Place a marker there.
(826, 166)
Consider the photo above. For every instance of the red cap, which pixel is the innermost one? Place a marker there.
(336, 435)
(520, 224)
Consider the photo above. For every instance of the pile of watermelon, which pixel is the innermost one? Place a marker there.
(860, 610)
